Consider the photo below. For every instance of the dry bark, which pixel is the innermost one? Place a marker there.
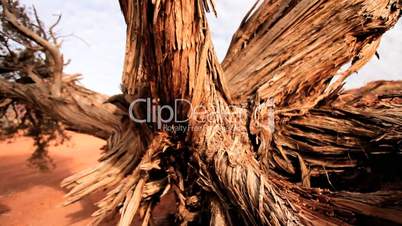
(39, 82)
(229, 168)
(278, 45)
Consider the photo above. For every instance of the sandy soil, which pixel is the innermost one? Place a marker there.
(32, 198)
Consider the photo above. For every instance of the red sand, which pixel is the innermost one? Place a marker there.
(32, 198)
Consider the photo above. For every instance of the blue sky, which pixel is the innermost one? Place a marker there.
(94, 40)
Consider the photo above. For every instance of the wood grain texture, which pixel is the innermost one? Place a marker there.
(328, 158)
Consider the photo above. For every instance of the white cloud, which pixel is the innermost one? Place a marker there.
(96, 47)
(388, 67)
(101, 24)
(230, 14)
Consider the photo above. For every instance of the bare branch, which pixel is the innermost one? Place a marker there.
(51, 28)
(39, 82)
(57, 57)
(291, 51)
(39, 22)
(80, 109)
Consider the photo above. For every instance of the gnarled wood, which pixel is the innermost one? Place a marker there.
(289, 50)
(229, 166)
(80, 109)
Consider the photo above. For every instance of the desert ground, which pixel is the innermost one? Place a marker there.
(32, 198)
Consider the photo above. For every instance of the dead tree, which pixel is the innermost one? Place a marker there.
(330, 156)
(31, 66)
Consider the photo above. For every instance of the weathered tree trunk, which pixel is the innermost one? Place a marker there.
(79, 109)
(229, 166)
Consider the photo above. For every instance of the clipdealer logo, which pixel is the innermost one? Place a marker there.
(166, 117)
(159, 114)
